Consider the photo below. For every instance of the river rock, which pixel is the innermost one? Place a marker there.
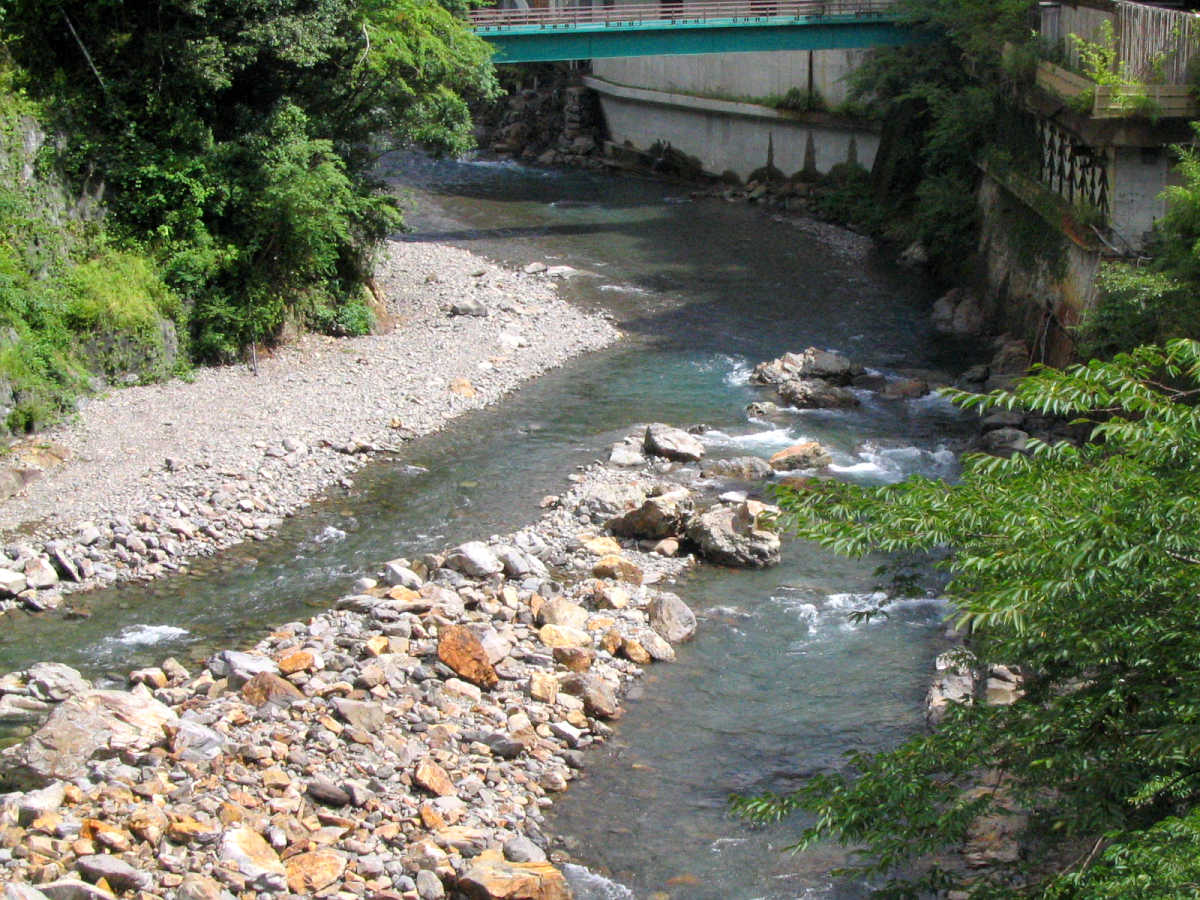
(626, 453)
(460, 648)
(313, 871)
(806, 455)
(554, 636)
(194, 742)
(54, 682)
(733, 536)
(671, 618)
(747, 468)
(198, 887)
(618, 568)
(429, 886)
(39, 573)
(492, 877)
(810, 363)
(561, 611)
(468, 306)
(11, 583)
(597, 695)
(433, 778)
(118, 873)
(22, 892)
(396, 572)
(906, 389)
(83, 726)
(74, 889)
(475, 559)
(813, 393)
(239, 667)
(672, 443)
(1004, 441)
(254, 858)
(521, 849)
(368, 716)
(662, 515)
(267, 687)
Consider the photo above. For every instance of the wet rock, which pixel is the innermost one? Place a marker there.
(825, 365)
(460, 649)
(492, 877)
(806, 455)
(906, 389)
(747, 468)
(671, 618)
(671, 443)
(475, 559)
(735, 536)
(82, 726)
(813, 393)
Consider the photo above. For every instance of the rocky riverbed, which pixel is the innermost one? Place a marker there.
(402, 744)
(146, 477)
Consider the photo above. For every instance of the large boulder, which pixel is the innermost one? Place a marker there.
(662, 515)
(89, 724)
(806, 455)
(733, 535)
(474, 558)
(492, 877)
(813, 393)
(809, 363)
(672, 443)
(54, 682)
(599, 699)
(747, 468)
(671, 618)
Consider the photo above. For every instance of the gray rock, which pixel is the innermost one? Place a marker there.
(810, 363)
(39, 573)
(240, 667)
(55, 682)
(429, 886)
(626, 454)
(521, 849)
(475, 559)
(813, 393)
(83, 726)
(468, 306)
(39, 802)
(370, 717)
(11, 583)
(118, 873)
(327, 792)
(519, 564)
(671, 443)
(396, 573)
(195, 742)
(671, 618)
(748, 468)
(73, 889)
(599, 699)
(1004, 441)
(13, 891)
(662, 515)
(561, 611)
(731, 536)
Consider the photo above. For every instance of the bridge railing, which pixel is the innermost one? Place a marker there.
(675, 12)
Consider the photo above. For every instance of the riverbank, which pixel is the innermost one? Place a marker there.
(154, 475)
(402, 744)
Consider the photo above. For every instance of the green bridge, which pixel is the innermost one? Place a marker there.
(689, 26)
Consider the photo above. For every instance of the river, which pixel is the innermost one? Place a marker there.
(778, 682)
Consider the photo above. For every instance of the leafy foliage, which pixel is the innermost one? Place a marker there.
(236, 137)
(1081, 564)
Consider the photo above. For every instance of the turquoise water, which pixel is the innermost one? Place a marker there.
(777, 684)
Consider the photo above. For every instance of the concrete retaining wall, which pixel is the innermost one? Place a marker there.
(742, 75)
(728, 135)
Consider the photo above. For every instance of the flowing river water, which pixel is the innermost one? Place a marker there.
(778, 683)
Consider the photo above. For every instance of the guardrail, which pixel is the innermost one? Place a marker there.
(676, 12)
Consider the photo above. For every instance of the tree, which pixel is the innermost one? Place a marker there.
(236, 138)
(1081, 564)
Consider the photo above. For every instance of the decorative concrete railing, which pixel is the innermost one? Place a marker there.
(1163, 101)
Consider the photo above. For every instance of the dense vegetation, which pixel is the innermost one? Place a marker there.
(234, 142)
(1081, 564)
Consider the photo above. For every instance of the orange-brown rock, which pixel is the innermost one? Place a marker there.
(492, 877)
(577, 659)
(433, 778)
(618, 567)
(296, 661)
(462, 651)
(267, 687)
(309, 872)
(462, 387)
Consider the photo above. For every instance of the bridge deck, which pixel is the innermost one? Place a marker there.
(687, 26)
